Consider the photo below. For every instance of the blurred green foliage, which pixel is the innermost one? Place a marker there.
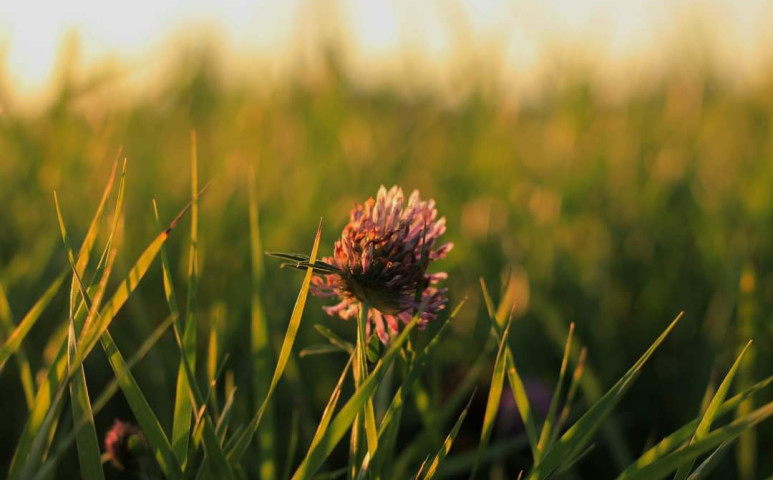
(612, 214)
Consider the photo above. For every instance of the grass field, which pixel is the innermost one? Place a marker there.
(613, 216)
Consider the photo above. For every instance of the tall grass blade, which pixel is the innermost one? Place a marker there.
(513, 377)
(102, 399)
(327, 413)
(447, 444)
(549, 424)
(38, 429)
(181, 424)
(86, 438)
(146, 418)
(242, 442)
(711, 411)
(494, 394)
(577, 437)
(260, 348)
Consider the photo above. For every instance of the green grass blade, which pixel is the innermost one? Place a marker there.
(181, 423)
(590, 386)
(711, 462)
(577, 437)
(242, 443)
(15, 339)
(711, 411)
(86, 438)
(513, 377)
(573, 387)
(260, 348)
(7, 327)
(684, 433)
(37, 434)
(547, 427)
(146, 418)
(360, 373)
(341, 423)
(334, 339)
(712, 440)
(102, 399)
(90, 336)
(494, 394)
(327, 413)
(447, 444)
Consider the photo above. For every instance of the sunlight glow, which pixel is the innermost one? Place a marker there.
(378, 34)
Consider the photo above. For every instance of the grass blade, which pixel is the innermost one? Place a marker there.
(513, 377)
(37, 433)
(157, 439)
(242, 442)
(260, 348)
(547, 427)
(672, 461)
(7, 327)
(15, 339)
(447, 444)
(711, 411)
(181, 424)
(494, 394)
(86, 438)
(104, 397)
(576, 438)
(710, 463)
(327, 413)
(685, 432)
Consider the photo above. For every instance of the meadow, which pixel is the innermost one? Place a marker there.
(568, 208)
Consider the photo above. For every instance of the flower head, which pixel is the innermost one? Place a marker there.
(125, 444)
(382, 259)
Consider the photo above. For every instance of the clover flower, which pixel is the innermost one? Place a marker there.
(382, 259)
(125, 446)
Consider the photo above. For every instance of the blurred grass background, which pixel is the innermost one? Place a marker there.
(614, 214)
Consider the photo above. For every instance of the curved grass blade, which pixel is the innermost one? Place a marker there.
(711, 411)
(577, 437)
(241, 444)
(7, 326)
(447, 444)
(728, 433)
(341, 423)
(494, 394)
(15, 339)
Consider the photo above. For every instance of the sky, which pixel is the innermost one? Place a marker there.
(380, 37)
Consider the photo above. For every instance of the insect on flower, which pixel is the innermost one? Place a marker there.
(381, 259)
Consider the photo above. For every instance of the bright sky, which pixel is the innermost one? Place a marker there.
(377, 33)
